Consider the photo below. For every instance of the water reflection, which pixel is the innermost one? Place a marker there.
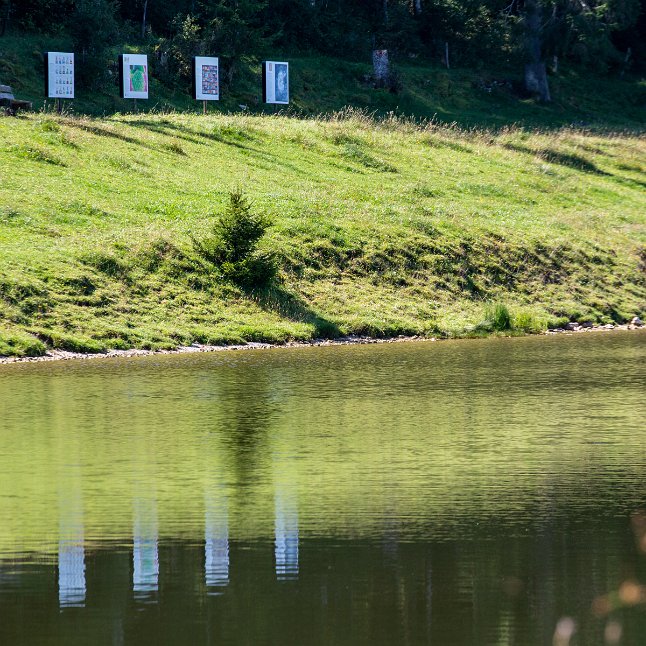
(246, 416)
(406, 515)
(71, 573)
(71, 550)
(145, 552)
(286, 511)
(286, 535)
(216, 534)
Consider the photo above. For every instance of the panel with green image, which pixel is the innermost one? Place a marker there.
(138, 78)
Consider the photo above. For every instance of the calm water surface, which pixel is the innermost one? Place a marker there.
(424, 493)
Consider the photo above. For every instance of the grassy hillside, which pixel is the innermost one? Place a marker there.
(380, 227)
(321, 85)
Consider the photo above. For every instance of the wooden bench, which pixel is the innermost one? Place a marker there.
(10, 103)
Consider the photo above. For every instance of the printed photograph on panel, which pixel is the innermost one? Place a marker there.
(210, 81)
(281, 83)
(138, 78)
(60, 75)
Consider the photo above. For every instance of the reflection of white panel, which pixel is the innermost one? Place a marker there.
(71, 574)
(134, 76)
(145, 559)
(60, 75)
(207, 78)
(145, 555)
(276, 75)
(216, 547)
(286, 532)
(216, 564)
(71, 553)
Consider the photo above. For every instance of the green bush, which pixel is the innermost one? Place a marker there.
(233, 242)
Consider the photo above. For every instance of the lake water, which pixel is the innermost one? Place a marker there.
(471, 492)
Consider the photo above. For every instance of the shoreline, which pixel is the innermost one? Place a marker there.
(65, 355)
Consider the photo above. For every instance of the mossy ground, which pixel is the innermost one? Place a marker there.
(380, 227)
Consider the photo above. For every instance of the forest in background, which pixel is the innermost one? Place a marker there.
(538, 38)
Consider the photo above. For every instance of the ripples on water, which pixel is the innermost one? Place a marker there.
(448, 493)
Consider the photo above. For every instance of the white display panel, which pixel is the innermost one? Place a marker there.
(206, 77)
(134, 76)
(276, 81)
(60, 75)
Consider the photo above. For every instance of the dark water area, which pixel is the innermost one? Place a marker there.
(485, 492)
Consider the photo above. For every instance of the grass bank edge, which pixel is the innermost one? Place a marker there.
(424, 273)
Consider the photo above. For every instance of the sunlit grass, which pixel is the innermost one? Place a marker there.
(380, 227)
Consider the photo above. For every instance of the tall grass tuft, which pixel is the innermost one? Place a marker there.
(529, 323)
(496, 318)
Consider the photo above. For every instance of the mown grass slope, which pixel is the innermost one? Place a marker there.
(380, 227)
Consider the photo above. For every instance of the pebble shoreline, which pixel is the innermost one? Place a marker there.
(64, 355)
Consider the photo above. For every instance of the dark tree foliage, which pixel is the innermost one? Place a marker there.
(93, 28)
(604, 35)
(41, 15)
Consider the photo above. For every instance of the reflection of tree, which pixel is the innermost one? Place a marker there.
(248, 408)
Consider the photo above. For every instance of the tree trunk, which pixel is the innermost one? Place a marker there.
(231, 70)
(143, 20)
(535, 69)
(417, 6)
(381, 67)
(385, 6)
(629, 53)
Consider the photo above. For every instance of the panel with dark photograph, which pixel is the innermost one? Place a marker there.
(281, 80)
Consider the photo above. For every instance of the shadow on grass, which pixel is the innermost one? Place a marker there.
(187, 134)
(104, 132)
(629, 181)
(570, 160)
(277, 299)
(163, 128)
(203, 138)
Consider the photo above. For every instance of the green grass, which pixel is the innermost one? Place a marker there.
(381, 227)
